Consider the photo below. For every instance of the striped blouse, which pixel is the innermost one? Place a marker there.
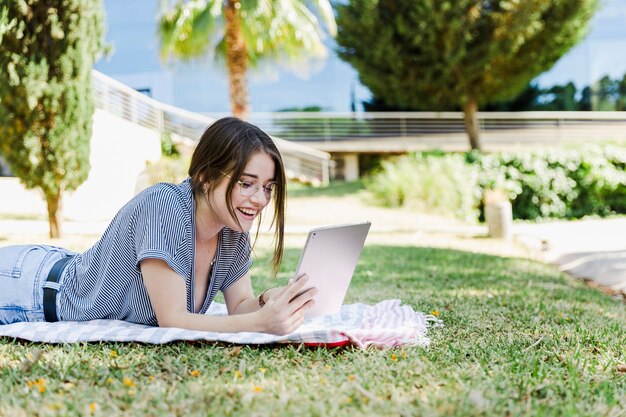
(105, 282)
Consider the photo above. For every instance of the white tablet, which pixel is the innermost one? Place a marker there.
(329, 259)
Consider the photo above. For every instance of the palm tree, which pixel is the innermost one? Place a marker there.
(244, 33)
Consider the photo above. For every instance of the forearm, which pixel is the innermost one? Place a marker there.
(252, 304)
(248, 305)
(283, 313)
(246, 322)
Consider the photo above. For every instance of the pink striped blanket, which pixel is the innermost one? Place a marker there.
(385, 324)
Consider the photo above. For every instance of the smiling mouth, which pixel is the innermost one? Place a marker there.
(249, 213)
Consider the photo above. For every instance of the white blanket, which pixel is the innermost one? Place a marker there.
(387, 323)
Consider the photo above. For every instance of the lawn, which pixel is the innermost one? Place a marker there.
(520, 338)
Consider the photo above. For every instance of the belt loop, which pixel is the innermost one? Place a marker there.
(50, 291)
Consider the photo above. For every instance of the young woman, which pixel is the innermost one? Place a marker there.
(170, 249)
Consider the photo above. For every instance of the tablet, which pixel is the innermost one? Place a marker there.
(329, 259)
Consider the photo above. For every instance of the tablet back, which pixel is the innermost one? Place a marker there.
(329, 259)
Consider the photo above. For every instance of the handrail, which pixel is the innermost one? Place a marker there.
(543, 126)
(301, 162)
(447, 115)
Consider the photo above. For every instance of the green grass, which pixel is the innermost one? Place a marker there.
(21, 216)
(520, 338)
(334, 189)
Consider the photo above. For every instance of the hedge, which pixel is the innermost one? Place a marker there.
(556, 183)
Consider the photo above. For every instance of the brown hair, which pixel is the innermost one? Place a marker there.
(226, 146)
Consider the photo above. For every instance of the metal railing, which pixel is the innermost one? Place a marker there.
(503, 126)
(301, 162)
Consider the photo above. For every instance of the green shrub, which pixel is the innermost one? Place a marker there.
(168, 148)
(445, 184)
(166, 169)
(558, 183)
(552, 183)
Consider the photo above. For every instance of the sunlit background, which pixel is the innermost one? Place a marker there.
(201, 86)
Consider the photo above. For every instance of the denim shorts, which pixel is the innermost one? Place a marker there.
(23, 271)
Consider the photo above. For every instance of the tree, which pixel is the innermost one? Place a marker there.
(47, 49)
(442, 53)
(564, 97)
(526, 100)
(244, 33)
(620, 104)
(604, 94)
(584, 104)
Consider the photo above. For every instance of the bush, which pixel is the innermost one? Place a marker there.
(558, 183)
(166, 169)
(544, 184)
(445, 184)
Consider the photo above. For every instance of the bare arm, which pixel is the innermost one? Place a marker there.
(282, 315)
(239, 297)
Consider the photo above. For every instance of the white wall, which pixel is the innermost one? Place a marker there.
(119, 151)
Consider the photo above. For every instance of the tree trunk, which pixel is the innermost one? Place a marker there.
(54, 215)
(470, 108)
(236, 60)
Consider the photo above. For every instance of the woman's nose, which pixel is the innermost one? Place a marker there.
(259, 196)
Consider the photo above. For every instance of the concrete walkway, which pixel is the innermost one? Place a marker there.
(588, 249)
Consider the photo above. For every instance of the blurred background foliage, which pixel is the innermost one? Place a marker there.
(554, 183)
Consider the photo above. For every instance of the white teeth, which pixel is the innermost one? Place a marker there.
(247, 211)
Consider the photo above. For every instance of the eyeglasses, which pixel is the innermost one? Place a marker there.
(250, 188)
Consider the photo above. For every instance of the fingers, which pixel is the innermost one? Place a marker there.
(295, 287)
(303, 296)
(288, 307)
(296, 320)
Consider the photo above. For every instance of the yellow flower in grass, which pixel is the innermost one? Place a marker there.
(92, 407)
(257, 389)
(351, 377)
(40, 384)
(394, 357)
(238, 374)
(195, 373)
(435, 313)
(128, 382)
(113, 354)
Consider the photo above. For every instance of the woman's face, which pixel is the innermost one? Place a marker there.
(256, 178)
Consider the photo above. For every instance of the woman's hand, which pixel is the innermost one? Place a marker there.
(286, 306)
(273, 293)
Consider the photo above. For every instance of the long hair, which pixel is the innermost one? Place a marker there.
(226, 146)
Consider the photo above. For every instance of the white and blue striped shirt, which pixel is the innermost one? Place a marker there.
(105, 282)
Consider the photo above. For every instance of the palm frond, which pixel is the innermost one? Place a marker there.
(327, 15)
(286, 31)
(190, 29)
(291, 32)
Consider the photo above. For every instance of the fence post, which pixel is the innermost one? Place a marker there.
(327, 133)
(498, 215)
